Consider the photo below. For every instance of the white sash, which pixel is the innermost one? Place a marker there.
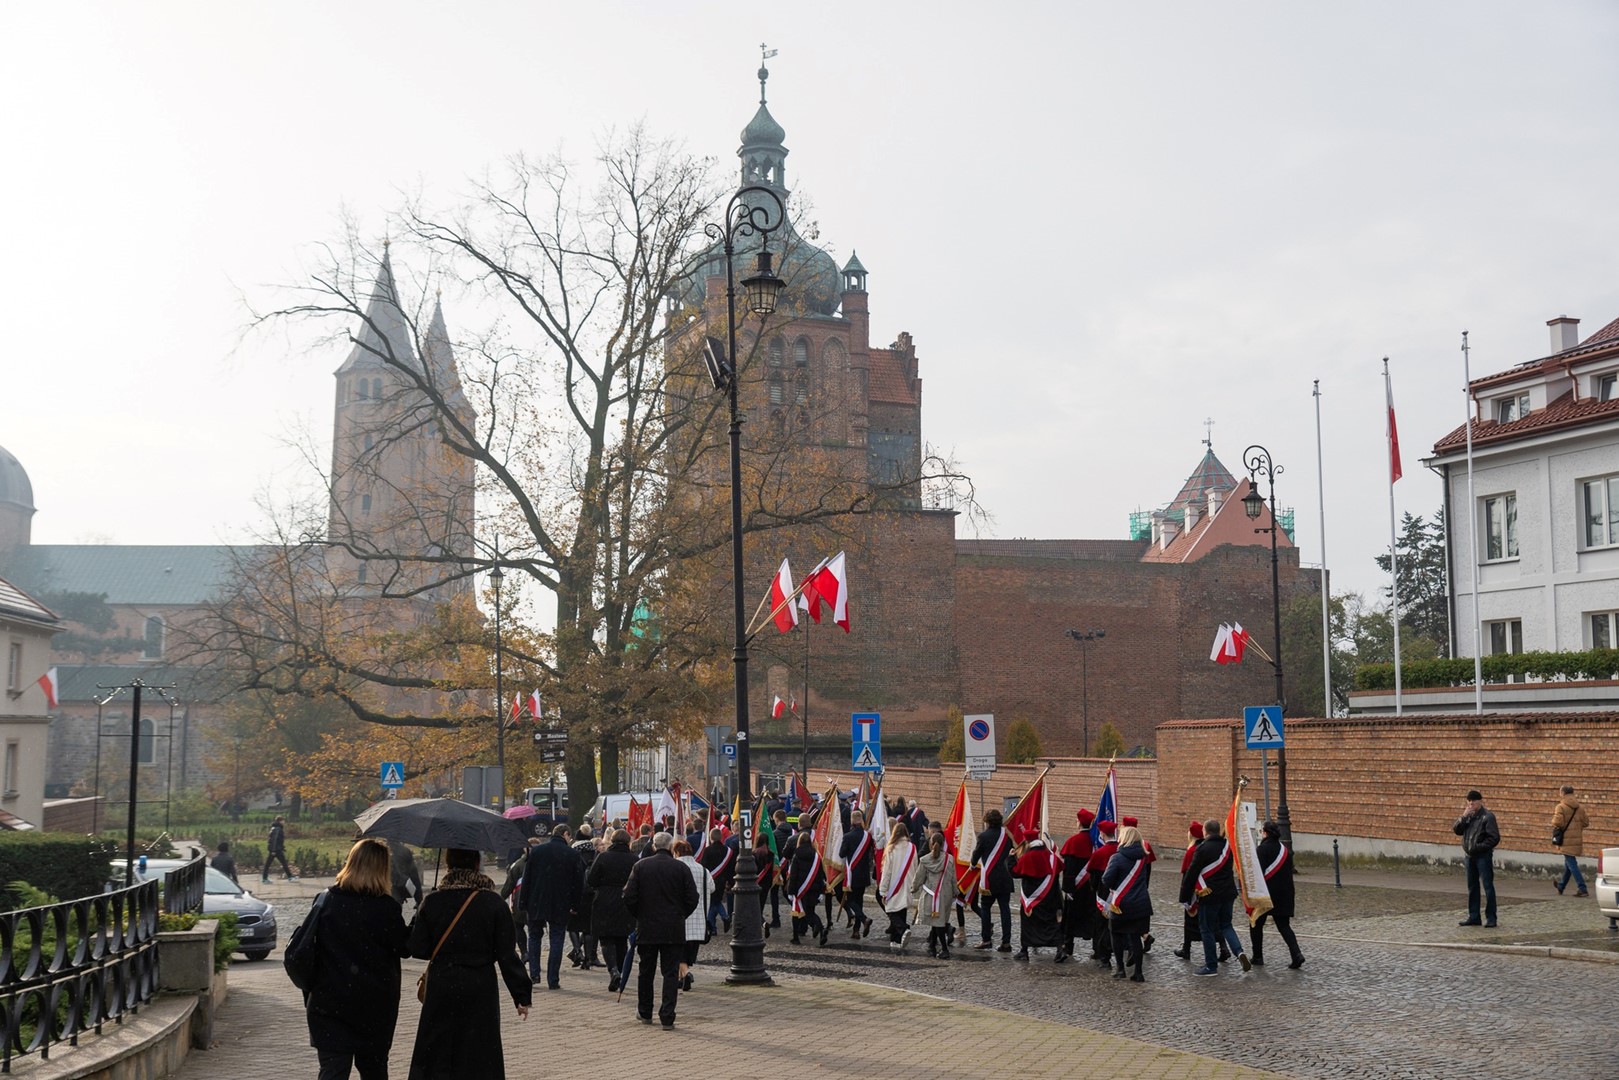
(798, 897)
(1281, 857)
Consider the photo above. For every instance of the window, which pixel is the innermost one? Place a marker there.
(13, 753)
(1506, 636)
(778, 352)
(14, 667)
(1604, 625)
(778, 396)
(801, 353)
(1512, 408)
(362, 573)
(368, 442)
(148, 742)
(153, 637)
(376, 392)
(363, 390)
(1600, 503)
(1607, 386)
(1501, 527)
(365, 504)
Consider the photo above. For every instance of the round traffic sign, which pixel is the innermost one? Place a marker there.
(979, 730)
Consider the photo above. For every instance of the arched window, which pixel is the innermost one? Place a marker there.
(777, 395)
(365, 504)
(376, 389)
(362, 391)
(368, 441)
(147, 754)
(833, 357)
(362, 573)
(801, 353)
(778, 352)
(153, 638)
(801, 387)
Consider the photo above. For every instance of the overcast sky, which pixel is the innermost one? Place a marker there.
(1102, 222)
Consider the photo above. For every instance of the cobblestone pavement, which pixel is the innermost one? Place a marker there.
(1370, 1002)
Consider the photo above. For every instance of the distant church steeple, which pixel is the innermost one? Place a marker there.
(764, 158)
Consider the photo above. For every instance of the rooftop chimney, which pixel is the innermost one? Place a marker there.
(1565, 333)
(1216, 496)
(1168, 530)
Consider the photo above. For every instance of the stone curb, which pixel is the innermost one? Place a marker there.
(1554, 952)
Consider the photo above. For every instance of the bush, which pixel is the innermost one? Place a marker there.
(61, 864)
(954, 747)
(1023, 745)
(1458, 671)
(1109, 741)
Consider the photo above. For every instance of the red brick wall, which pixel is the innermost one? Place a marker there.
(1405, 778)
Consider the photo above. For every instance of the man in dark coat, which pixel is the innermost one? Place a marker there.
(512, 885)
(915, 820)
(660, 894)
(553, 884)
(859, 857)
(276, 848)
(583, 952)
(225, 862)
(992, 855)
(1210, 882)
(1078, 887)
(1480, 835)
(1276, 860)
(719, 859)
(1101, 855)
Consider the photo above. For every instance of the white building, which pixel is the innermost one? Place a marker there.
(1545, 503)
(26, 629)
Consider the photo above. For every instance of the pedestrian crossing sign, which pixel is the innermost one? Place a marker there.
(867, 758)
(1263, 725)
(393, 774)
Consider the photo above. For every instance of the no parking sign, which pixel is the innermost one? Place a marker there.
(979, 737)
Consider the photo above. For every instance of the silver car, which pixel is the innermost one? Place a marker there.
(255, 919)
(1608, 885)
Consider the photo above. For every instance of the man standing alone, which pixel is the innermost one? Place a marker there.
(1569, 822)
(1479, 834)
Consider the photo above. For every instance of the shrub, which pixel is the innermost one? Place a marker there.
(1458, 671)
(954, 746)
(61, 864)
(1023, 745)
(1109, 741)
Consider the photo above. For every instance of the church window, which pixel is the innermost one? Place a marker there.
(778, 352)
(376, 389)
(363, 391)
(153, 639)
(365, 504)
(362, 573)
(801, 353)
(368, 442)
(777, 395)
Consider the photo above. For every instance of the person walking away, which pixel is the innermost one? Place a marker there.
(805, 880)
(719, 859)
(1102, 934)
(465, 934)
(660, 894)
(1569, 822)
(1127, 880)
(353, 1006)
(225, 863)
(583, 952)
(993, 857)
(1078, 887)
(698, 928)
(1189, 931)
(934, 889)
(553, 883)
(859, 856)
(894, 887)
(1276, 860)
(275, 848)
(1210, 883)
(511, 891)
(1039, 876)
(404, 879)
(765, 859)
(610, 920)
(1480, 835)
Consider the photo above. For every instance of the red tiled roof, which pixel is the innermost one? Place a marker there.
(1607, 333)
(887, 381)
(1117, 550)
(1594, 346)
(1563, 413)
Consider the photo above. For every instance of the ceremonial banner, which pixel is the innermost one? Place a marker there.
(828, 836)
(1032, 814)
(1245, 862)
(1107, 808)
(959, 839)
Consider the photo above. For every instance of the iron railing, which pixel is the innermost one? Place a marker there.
(183, 887)
(69, 968)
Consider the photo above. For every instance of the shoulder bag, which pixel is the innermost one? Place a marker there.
(300, 957)
(421, 983)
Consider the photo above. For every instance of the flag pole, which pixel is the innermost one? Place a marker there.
(1394, 552)
(1472, 532)
(1326, 622)
(804, 717)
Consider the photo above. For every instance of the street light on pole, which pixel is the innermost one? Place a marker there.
(1083, 638)
(495, 577)
(1259, 463)
(747, 214)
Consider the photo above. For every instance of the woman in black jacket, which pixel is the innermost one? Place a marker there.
(583, 954)
(359, 937)
(805, 880)
(610, 920)
(1125, 882)
(1276, 860)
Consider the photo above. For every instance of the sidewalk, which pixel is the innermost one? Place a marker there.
(796, 1027)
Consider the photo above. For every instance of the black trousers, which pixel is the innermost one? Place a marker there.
(856, 899)
(274, 857)
(372, 1066)
(613, 949)
(896, 926)
(810, 924)
(986, 905)
(1283, 927)
(656, 960)
(775, 905)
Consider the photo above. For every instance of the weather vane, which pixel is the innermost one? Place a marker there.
(1208, 433)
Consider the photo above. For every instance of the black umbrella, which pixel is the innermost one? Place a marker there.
(441, 823)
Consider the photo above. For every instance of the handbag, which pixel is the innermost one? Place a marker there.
(300, 958)
(1557, 836)
(421, 982)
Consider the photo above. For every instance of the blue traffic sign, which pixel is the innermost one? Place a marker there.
(729, 749)
(1262, 725)
(866, 749)
(393, 774)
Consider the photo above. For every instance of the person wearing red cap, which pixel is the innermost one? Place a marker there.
(1189, 931)
(1039, 896)
(1102, 938)
(1079, 890)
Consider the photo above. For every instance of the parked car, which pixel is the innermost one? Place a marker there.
(1608, 885)
(255, 919)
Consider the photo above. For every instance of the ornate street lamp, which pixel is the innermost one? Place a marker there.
(749, 213)
(1082, 638)
(1259, 463)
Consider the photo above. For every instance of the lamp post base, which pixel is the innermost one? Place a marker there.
(747, 925)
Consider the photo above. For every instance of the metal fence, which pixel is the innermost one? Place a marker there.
(183, 887)
(69, 968)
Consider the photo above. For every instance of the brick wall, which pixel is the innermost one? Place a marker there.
(1404, 778)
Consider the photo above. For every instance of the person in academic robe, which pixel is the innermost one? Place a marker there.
(805, 879)
(993, 857)
(894, 886)
(1078, 887)
(1102, 932)
(859, 856)
(1038, 871)
(934, 889)
(1276, 860)
(1126, 880)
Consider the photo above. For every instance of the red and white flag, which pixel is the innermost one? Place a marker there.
(832, 587)
(783, 610)
(1230, 642)
(48, 683)
(778, 707)
(808, 598)
(517, 707)
(1393, 432)
(535, 708)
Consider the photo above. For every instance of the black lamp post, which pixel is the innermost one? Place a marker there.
(496, 577)
(747, 214)
(1083, 637)
(1259, 463)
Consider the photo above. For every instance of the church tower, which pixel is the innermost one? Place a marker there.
(401, 499)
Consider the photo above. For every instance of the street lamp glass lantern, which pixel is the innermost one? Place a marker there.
(1253, 503)
(763, 287)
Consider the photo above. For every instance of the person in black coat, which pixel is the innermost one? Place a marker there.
(404, 877)
(719, 859)
(805, 881)
(553, 883)
(583, 953)
(1210, 882)
(359, 936)
(1276, 860)
(610, 920)
(1126, 882)
(225, 862)
(660, 894)
(465, 924)
(859, 857)
(992, 855)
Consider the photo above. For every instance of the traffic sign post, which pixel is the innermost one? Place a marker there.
(393, 775)
(552, 745)
(866, 742)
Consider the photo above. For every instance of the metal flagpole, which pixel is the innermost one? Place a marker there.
(1394, 553)
(1472, 532)
(1326, 631)
(804, 716)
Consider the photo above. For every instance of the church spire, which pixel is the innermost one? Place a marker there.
(764, 157)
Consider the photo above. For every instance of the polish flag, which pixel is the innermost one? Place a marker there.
(535, 708)
(517, 707)
(53, 689)
(809, 598)
(782, 610)
(1239, 640)
(832, 586)
(1393, 432)
(1230, 642)
(777, 708)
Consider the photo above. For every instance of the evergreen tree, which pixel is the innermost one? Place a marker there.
(1424, 589)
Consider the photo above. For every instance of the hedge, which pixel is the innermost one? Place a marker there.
(1589, 664)
(63, 864)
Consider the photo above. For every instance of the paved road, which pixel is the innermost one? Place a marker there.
(1362, 1007)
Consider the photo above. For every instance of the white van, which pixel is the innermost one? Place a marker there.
(616, 807)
